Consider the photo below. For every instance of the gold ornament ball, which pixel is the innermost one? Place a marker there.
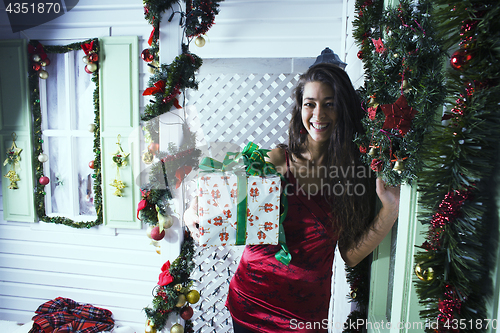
(193, 296)
(199, 41)
(181, 300)
(150, 327)
(177, 328)
(36, 58)
(43, 74)
(91, 128)
(426, 275)
(85, 59)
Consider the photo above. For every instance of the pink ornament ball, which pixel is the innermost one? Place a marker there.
(44, 180)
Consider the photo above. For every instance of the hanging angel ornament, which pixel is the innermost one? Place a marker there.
(120, 158)
(13, 158)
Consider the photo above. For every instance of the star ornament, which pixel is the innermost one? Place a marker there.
(398, 115)
(13, 155)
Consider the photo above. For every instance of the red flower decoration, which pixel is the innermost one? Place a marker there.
(398, 115)
(379, 45)
(159, 87)
(165, 278)
(363, 149)
(372, 112)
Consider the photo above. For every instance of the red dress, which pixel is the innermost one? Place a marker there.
(267, 296)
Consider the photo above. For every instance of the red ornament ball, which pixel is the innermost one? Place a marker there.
(44, 180)
(91, 164)
(460, 58)
(360, 55)
(36, 66)
(93, 57)
(147, 56)
(156, 235)
(186, 312)
(153, 147)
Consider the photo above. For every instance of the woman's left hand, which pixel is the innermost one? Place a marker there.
(388, 195)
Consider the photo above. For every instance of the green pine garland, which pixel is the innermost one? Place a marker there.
(37, 121)
(166, 298)
(401, 56)
(458, 188)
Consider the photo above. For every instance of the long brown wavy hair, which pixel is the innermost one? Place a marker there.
(352, 213)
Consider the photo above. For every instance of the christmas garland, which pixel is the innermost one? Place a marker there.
(458, 189)
(165, 86)
(403, 85)
(173, 294)
(38, 60)
(401, 95)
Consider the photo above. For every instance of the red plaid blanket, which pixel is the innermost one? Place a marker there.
(63, 315)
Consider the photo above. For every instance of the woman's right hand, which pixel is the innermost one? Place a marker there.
(192, 220)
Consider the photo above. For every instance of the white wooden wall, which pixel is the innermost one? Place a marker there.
(117, 268)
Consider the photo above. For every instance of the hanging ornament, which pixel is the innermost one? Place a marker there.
(150, 327)
(44, 180)
(91, 128)
(186, 312)
(120, 158)
(13, 159)
(43, 157)
(85, 59)
(399, 166)
(353, 293)
(45, 62)
(181, 300)
(373, 151)
(36, 58)
(43, 74)
(199, 41)
(426, 275)
(360, 55)
(193, 296)
(147, 157)
(92, 164)
(147, 56)
(460, 58)
(156, 234)
(36, 67)
(90, 68)
(177, 328)
(164, 222)
(93, 57)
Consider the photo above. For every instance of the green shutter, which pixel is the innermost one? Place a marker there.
(15, 117)
(119, 98)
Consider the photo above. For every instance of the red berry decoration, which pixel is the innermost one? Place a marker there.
(156, 235)
(186, 312)
(44, 180)
(147, 56)
(91, 164)
(93, 57)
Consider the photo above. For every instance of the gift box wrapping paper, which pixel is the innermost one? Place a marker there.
(218, 198)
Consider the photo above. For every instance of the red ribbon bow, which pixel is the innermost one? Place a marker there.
(159, 87)
(165, 278)
(37, 50)
(87, 47)
(181, 173)
(151, 36)
(143, 203)
(398, 115)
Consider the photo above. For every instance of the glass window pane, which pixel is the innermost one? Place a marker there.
(84, 93)
(60, 173)
(85, 154)
(57, 113)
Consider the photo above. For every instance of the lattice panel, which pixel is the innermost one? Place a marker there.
(241, 108)
(227, 111)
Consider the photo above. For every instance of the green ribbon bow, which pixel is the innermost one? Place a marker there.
(250, 161)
